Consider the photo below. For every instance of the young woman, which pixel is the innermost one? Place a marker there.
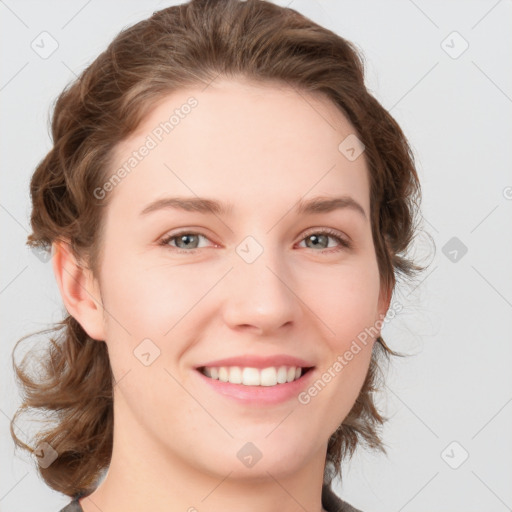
(228, 209)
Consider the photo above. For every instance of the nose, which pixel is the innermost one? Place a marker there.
(260, 296)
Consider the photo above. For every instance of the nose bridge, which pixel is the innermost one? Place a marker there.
(258, 292)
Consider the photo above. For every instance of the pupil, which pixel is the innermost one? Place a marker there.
(316, 239)
(184, 239)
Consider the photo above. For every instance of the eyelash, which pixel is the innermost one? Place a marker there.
(333, 234)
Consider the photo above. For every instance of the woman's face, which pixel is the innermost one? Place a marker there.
(260, 279)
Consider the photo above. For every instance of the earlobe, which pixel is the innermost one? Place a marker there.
(79, 290)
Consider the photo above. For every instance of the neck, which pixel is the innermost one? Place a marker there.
(145, 474)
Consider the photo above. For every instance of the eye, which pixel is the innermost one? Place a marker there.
(187, 241)
(320, 237)
(184, 239)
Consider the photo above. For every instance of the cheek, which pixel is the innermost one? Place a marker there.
(162, 303)
(354, 321)
(346, 385)
(159, 300)
(151, 297)
(346, 301)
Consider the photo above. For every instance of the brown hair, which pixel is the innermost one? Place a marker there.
(186, 45)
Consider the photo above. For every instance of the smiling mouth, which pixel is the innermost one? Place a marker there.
(255, 377)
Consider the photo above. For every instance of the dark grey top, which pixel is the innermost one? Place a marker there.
(330, 502)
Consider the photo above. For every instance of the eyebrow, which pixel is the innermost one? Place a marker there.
(212, 206)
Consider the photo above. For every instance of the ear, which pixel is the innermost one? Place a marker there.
(79, 290)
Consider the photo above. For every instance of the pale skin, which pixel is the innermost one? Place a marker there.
(261, 148)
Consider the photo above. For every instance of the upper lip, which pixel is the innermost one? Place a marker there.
(249, 361)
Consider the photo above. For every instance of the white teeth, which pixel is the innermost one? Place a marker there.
(223, 374)
(282, 375)
(235, 375)
(253, 376)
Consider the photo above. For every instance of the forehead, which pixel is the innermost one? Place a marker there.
(250, 142)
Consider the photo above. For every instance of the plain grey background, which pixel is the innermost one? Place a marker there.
(443, 70)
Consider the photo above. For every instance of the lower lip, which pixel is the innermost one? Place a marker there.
(260, 395)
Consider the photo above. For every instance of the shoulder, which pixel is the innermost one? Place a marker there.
(73, 506)
(332, 503)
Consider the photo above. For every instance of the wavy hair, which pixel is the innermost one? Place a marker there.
(188, 45)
